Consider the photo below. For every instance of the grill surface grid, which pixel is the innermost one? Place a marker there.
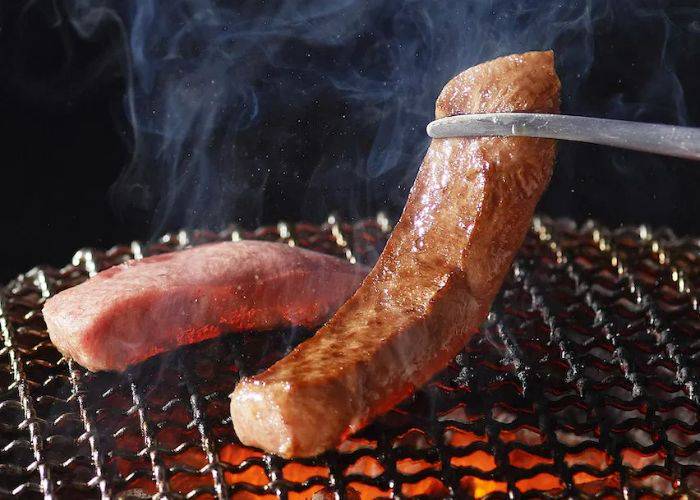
(583, 382)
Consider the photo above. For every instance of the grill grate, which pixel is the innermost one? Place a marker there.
(584, 382)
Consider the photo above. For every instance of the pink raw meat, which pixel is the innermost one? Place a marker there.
(133, 311)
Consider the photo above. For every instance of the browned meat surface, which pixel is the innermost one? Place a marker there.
(130, 312)
(466, 216)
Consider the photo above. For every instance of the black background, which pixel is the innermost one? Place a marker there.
(66, 138)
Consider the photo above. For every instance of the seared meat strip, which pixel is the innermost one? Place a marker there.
(465, 218)
(130, 312)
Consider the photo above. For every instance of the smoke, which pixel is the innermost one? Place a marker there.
(234, 106)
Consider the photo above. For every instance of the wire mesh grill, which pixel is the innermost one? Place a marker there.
(583, 382)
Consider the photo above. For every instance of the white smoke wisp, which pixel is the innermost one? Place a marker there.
(220, 94)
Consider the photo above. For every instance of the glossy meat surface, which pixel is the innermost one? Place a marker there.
(130, 312)
(466, 216)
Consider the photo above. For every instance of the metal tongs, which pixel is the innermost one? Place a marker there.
(669, 140)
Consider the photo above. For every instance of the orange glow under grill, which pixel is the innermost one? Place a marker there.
(584, 383)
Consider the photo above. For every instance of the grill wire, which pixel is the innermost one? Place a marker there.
(583, 382)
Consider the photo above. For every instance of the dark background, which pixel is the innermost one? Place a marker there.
(66, 137)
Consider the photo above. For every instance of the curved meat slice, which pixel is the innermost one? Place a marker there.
(133, 311)
(466, 216)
